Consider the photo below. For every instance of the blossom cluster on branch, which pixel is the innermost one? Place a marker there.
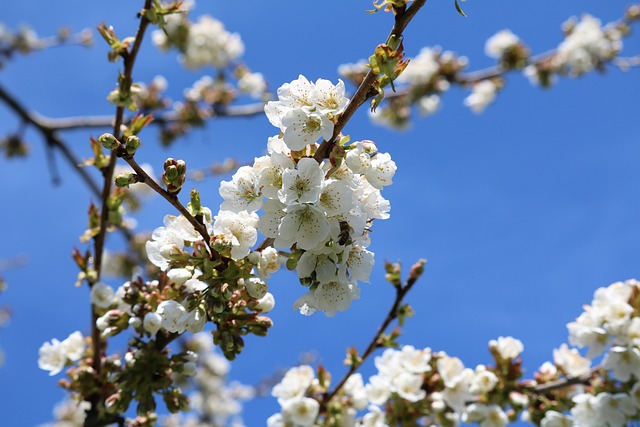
(314, 198)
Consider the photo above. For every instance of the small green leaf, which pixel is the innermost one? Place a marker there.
(460, 11)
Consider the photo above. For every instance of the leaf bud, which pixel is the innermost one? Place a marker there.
(416, 271)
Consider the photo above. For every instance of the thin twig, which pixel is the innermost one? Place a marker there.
(401, 292)
(129, 58)
(363, 92)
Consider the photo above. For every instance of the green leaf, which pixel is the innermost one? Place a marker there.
(460, 11)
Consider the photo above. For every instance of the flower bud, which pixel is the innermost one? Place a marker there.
(108, 141)
(124, 179)
(132, 144)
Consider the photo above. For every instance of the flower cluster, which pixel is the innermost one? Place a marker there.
(55, 355)
(587, 45)
(205, 42)
(322, 211)
(411, 383)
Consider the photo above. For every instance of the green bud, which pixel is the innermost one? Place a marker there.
(108, 141)
(124, 179)
(132, 144)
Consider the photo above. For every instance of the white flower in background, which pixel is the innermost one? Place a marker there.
(428, 105)
(556, 419)
(482, 94)
(378, 389)
(483, 381)
(408, 386)
(252, 84)
(54, 355)
(500, 43)
(294, 383)
(240, 227)
(624, 362)
(74, 346)
(354, 388)
(507, 347)
(300, 411)
(102, 295)
(208, 43)
(570, 361)
(586, 45)
(414, 360)
(422, 68)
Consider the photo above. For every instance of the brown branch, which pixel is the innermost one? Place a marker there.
(566, 382)
(401, 292)
(171, 198)
(402, 19)
(129, 57)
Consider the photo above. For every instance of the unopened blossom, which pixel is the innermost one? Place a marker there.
(152, 323)
(507, 347)
(500, 43)
(301, 411)
(357, 158)
(266, 303)
(102, 295)
(256, 287)
(483, 93)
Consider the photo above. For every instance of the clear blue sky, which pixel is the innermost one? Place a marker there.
(523, 212)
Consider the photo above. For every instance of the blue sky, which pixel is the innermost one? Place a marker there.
(523, 212)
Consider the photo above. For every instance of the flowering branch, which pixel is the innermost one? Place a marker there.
(394, 312)
(364, 91)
